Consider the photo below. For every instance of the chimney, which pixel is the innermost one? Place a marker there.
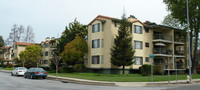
(132, 18)
(48, 38)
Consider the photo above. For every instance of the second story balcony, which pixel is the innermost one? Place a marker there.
(179, 41)
(162, 52)
(162, 38)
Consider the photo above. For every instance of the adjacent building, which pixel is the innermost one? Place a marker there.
(46, 55)
(166, 43)
(18, 47)
(6, 56)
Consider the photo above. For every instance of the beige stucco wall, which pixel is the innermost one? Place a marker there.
(108, 35)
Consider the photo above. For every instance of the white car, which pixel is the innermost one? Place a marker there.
(19, 71)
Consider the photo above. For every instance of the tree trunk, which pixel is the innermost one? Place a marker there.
(123, 69)
(23, 64)
(56, 71)
(195, 51)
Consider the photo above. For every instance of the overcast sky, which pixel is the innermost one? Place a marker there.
(49, 17)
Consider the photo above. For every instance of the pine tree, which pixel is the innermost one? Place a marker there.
(122, 53)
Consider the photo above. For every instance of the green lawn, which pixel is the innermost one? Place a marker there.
(7, 68)
(122, 78)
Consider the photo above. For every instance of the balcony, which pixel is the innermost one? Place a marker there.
(179, 53)
(162, 38)
(162, 52)
(179, 41)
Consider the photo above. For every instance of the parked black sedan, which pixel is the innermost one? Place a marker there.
(35, 73)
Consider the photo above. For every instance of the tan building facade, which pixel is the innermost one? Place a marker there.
(6, 56)
(18, 47)
(46, 54)
(164, 42)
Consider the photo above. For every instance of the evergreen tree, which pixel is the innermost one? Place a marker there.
(122, 53)
(74, 29)
(178, 11)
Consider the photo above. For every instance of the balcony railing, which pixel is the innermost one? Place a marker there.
(162, 51)
(177, 52)
(179, 40)
(163, 37)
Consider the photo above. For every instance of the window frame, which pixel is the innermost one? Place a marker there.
(136, 31)
(94, 29)
(97, 62)
(146, 30)
(146, 44)
(141, 62)
(135, 44)
(147, 58)
(98, 43)
(46, 53)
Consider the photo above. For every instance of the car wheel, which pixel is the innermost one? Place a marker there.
(11, 74)
(31, 76)
(43, 77)
(25, 76)
(16, 74)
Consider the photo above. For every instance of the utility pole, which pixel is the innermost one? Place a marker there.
(188, 36)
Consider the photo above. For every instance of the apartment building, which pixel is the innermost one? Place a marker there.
(6, 56)
(46, 55)
(166, 43)
(18, 47)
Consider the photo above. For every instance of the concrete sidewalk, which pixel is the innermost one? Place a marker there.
(124, 84)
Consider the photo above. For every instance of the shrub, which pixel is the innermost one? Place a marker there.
(65, 69)
(145, 70)
(79, 68)
(158, 69)
(9, 65)
(198, 69)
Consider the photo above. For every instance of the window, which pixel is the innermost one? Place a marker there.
(45, 62)
(47, 45)
(147, 59)
(15, 46)
(95, 59)
(147, 30)
(101, 59)
(95, 43)
(138, 29)
(115, 24)
(102, 26)
(146, 44)
(46, 53)
(138, 44)
(138, 61)
(102, 43)
(180, 49)
(96, 28)
(85, 61)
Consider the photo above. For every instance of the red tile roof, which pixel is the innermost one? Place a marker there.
(98, 18)
(23, 43)
(137, 21)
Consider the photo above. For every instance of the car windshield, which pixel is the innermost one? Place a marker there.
(22, 68)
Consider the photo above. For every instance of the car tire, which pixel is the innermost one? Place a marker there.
(43, 77)
(12, 74)
(31, 76)
(25, 76)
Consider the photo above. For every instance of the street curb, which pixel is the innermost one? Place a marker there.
(75, 80)
(122, 84)
(81, 81)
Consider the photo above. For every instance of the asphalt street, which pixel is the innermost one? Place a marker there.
(8, 82)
